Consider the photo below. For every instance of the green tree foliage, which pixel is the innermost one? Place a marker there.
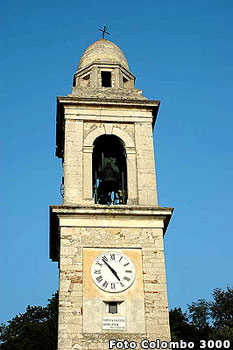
(199, 317)
(36, 329)
(180, 327)
(205, 320)
(222, 308)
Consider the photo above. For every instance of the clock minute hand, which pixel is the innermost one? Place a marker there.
(111, 269)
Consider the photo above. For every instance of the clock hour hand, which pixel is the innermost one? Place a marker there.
(111, 269)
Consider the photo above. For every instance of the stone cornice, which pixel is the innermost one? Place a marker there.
(72, 100)
(111, 210)
(104, 216)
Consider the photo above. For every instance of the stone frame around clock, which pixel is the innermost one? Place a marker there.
(95, 299)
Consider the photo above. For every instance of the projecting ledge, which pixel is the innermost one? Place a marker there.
(115, 210)
(104, 216)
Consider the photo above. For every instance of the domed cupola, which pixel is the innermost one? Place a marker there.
(103, 71)
(105, 52)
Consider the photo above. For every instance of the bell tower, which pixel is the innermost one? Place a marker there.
(107, 236)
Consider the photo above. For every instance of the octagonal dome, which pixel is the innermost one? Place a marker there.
(103, 51)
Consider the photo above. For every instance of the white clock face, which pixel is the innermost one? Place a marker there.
(113, 271)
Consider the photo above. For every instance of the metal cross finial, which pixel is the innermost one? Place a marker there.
(104, 31)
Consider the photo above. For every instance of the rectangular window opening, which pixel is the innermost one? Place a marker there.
(113, 308)
(106, 79)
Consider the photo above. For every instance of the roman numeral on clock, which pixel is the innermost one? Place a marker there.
(99, 278)
(105, 284)
(113, 286)
(126, 278)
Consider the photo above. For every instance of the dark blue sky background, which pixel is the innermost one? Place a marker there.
(181, 53)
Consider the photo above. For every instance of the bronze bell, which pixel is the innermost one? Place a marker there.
(110, 179)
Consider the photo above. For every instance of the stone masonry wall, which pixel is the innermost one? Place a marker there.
(73, 239)
(147, 192)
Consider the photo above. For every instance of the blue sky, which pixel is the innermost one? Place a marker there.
(181, 53)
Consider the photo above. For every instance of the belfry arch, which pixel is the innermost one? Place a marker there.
(109, 171)
(127, 171)
(109, 129)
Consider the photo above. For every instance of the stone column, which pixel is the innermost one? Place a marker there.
(87, 174)
(94, 77)
(118, 78)
(131, 176)
(72, 166)
(147, 192)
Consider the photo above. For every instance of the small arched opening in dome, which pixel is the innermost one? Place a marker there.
(109, 170)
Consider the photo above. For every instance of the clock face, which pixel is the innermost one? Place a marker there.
(113, 271)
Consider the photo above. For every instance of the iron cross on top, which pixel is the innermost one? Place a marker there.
(104, 31)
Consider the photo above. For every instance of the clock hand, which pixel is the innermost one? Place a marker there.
(111, 269)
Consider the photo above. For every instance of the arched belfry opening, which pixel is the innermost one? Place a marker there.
(109, 170)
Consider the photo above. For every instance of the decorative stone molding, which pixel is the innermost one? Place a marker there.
(110, 129)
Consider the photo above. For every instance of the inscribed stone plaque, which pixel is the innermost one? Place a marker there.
(114, 323)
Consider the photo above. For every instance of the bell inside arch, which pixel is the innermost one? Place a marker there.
(109, 171)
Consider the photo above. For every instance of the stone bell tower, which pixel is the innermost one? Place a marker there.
(107, 236)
